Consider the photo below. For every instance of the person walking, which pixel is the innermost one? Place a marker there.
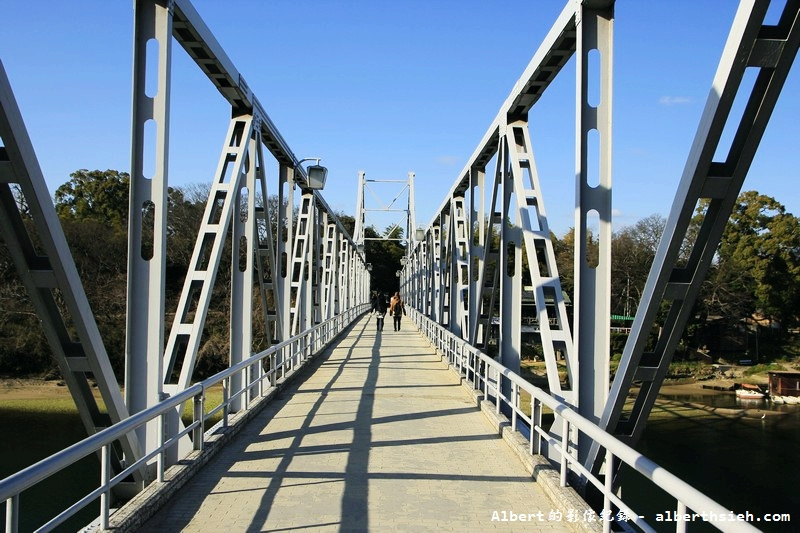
(397, 309)
(380, 310)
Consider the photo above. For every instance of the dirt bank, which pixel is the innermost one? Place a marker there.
(29, 389)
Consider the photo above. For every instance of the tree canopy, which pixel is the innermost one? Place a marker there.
(95, 195)
(757, 270)
(755, 275)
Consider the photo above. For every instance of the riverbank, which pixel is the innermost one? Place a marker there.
(33, 389)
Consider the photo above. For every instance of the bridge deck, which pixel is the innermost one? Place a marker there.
(380, 437)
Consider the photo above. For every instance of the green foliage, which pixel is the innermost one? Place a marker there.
(632, 251)
(762, 240)
(95, 195)
(756, 272)
(618, 341)
(384, 255)
(758, 369)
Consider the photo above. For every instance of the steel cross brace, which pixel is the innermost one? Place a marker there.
(49, 275)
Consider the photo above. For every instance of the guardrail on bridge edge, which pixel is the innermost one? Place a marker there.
(258, 391)
(487, 376)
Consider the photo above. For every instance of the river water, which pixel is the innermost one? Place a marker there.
(747, 464)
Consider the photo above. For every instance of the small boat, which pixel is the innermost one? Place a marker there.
(750, 392)
(788, 400)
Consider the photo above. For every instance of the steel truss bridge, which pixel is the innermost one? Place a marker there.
(312, 276)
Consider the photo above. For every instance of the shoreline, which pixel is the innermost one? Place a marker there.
(692, 391)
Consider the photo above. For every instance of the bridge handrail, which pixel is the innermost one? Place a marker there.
(307, 344)
(458, 353)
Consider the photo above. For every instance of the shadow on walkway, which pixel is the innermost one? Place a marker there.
(377, 434)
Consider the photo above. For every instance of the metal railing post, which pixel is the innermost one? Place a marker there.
(536, 422)
(161, 459)
(226, 393)
(497, 390)
(12, 514)
(680, 525)
(197, 437)
(514, 402)
(608, 488)
(564, 450)
(105, 481)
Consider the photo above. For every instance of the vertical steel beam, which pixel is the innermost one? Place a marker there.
(459, 268)
(445, 264)
(345, 255)
(358, 232)
(510, 268)
(243, 256)
(477, 228)
(411, 224)
(186, 332)
(329, 279)
(551, 313)
(266, 259)
(144, 343)
(435, 271)
(594, 63)
(301, 268)
(285, 239)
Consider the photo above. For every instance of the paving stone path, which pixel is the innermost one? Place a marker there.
(380, 437)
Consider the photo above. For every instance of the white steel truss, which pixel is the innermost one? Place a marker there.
(291, 260)
(477, 260)
(185, 335)
(49, 275)
(770, 51)
(514, 225)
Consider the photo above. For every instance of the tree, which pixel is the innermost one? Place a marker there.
(95, 195)
(564, 250)
(632, 251)
(759, 255)
(384, 255)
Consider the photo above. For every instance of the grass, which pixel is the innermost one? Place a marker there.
(34, 428)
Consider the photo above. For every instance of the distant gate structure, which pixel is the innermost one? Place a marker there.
(377, 205)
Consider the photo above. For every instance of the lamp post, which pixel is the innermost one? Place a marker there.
(316, 174)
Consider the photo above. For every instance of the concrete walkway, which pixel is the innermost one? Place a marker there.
(381, 437)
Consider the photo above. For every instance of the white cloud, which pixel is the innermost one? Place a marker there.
(675, 100)
(447, 160)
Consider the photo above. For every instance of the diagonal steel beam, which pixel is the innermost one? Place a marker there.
(49, 274)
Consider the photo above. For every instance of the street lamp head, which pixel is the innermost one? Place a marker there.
(419, 234)
(316, 174)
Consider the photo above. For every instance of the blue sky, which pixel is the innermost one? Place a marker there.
(388, 88)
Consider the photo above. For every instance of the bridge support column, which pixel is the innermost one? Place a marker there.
(594, 29)
(147, 237)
